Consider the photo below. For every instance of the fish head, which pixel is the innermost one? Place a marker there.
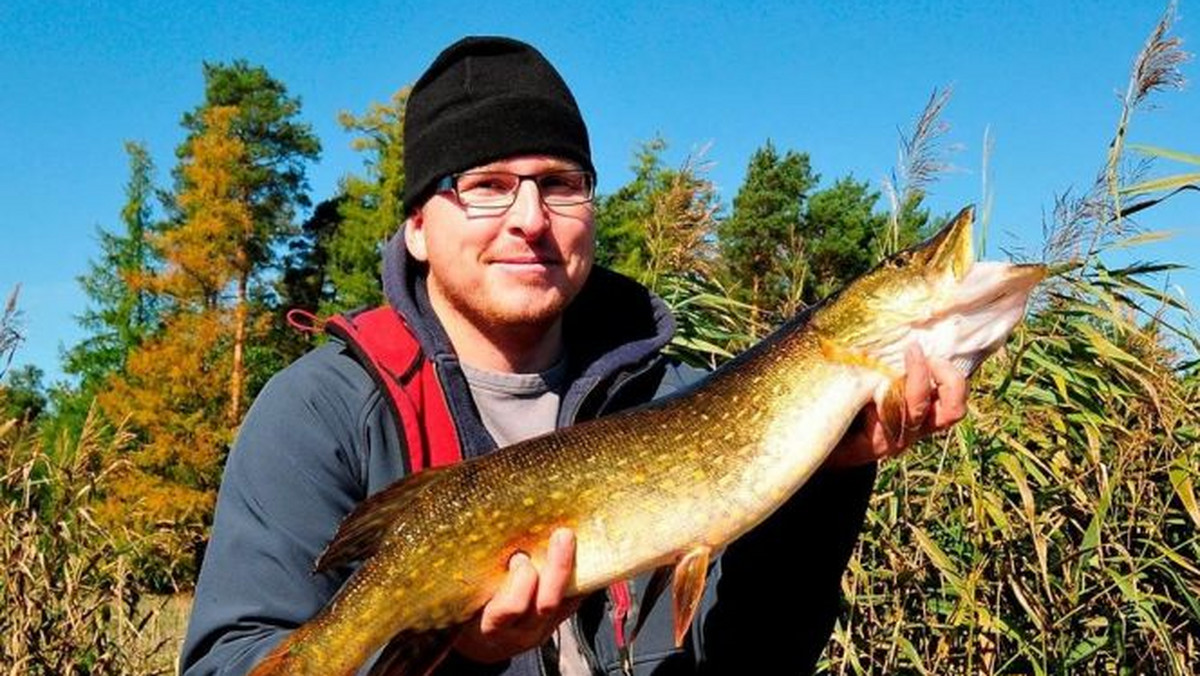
(936, 295)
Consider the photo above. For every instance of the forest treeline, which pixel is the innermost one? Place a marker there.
(190, 293)
(1053, 531)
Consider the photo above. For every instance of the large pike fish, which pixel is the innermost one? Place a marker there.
(699, 469)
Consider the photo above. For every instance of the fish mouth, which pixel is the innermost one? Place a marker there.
(990, 285)
(985, 306)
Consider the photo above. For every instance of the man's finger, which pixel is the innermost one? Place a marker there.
(515, 597)
(560, 564)
(917, 386)
(951, 403)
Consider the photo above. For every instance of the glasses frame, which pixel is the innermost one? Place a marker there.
(449, 184)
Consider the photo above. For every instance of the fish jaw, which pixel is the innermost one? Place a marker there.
(973, 318)
(985, 307)
(934, 295)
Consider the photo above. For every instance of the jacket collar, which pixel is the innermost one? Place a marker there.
(614, 326)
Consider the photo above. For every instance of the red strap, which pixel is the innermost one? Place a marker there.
(386, 345)
(622, 602)
(304, 321)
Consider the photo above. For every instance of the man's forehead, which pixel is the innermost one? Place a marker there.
(525, 163)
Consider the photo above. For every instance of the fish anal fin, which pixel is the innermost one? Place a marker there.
(687, 588)
(892, 408)
(414, 653)
(362, 531)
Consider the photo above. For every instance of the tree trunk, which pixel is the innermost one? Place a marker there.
(239, 341)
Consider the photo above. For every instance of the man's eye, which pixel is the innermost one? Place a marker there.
(497, 184)
(561, 182)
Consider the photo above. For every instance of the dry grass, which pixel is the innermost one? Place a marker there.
(68, 586)
(162, 637)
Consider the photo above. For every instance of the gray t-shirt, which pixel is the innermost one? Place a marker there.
(515, 407)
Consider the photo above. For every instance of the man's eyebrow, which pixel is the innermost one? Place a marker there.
(552, 165)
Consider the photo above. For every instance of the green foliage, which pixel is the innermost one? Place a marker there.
(659, 229)
(22, 394)
(278, 147)
(711, 326)
(305, 282)
(370, 207)
(1055, 530)
(761, 242)
(839, 237)
(621, 216)
(120, 313)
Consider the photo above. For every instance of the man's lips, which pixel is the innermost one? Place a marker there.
(526, 260)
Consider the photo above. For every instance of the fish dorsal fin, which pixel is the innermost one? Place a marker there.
(687, 588)
(364, 529)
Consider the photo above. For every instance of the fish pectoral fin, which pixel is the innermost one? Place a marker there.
(892, 408)
(414, 653)
(687, 588)
(363, 529)
(850, 356)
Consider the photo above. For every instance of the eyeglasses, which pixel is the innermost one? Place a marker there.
(497, 190)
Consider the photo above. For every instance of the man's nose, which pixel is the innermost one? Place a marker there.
(528, 213)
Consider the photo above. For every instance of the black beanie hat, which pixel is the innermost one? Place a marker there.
(484, 99)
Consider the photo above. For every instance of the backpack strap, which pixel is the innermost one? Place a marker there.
(388, 350)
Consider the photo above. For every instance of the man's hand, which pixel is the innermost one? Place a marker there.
(935, 394)
(527, 608)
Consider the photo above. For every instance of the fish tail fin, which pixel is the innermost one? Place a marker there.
(415, 653)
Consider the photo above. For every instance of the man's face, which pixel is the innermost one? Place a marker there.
(513, 269)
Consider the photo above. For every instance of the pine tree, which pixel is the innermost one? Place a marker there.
(121, 312)
(840, 236)
(268, 182)
(239, 184)
(759, 241)
(277, 146)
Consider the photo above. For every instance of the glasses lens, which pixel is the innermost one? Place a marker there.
(563, 188)
(487, 188)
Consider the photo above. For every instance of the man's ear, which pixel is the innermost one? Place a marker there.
(414, 237)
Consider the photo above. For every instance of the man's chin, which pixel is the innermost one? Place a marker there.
(529, 315)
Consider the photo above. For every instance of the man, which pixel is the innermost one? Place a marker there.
(493, 275)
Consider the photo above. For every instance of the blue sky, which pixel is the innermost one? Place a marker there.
(835, 79)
